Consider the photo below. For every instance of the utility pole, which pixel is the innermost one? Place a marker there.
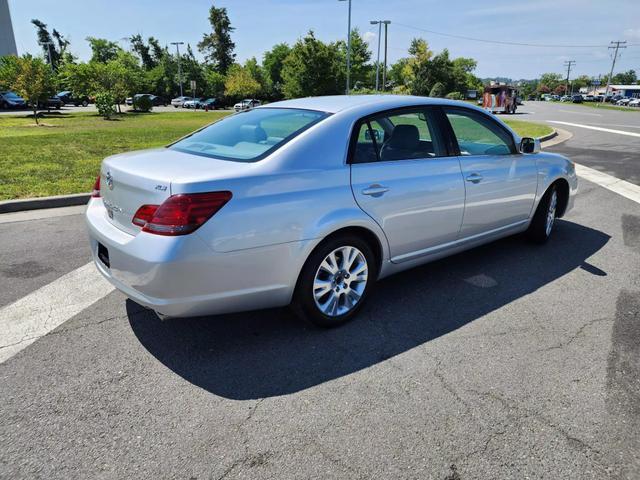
(348, 45)
(568, 64)
(615, 46)
(177, 44)
(384, 70)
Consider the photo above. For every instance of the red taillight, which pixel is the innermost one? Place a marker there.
(144, 215)
(96, 188)
(180, 214)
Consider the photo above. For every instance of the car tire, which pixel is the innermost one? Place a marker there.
(544, 219)
(85, 103)
(346, 287)
(5, 106)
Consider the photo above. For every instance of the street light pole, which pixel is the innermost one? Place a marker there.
(379, 23)
(384, 70)
(177, 44)
(348, 45)
(48, 44)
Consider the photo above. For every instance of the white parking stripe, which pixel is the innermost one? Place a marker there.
(621, 187)
(601, 129)
(33, 316)
(581, 113)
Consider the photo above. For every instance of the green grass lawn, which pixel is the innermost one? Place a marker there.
(606, 106)
(64, 156)
(528, 129)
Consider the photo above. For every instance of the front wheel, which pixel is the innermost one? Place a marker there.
(544, 219)
(335, 281)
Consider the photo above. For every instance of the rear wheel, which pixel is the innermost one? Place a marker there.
(335, 281)
(544, 219)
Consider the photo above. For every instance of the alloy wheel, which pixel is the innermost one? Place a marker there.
(340, 281)
(551, 212)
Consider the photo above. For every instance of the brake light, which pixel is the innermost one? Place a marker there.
(180, 214)
(96, 188)
(144, 215)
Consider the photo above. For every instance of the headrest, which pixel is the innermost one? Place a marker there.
(252, 133)
(404, 136)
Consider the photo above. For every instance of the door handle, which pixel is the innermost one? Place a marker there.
(375, 190)
(474, 178)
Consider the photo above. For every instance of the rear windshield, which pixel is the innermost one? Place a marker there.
(249, 136)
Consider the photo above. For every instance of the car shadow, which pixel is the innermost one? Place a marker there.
(270, 352)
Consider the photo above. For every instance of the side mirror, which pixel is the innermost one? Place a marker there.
(529, 145)
(378, 134)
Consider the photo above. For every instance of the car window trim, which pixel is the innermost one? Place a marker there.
(454, 139)
(437, 128)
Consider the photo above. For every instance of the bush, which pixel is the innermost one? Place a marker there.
(105, 103)
(455, 96)
(437, 90)
(142, 104)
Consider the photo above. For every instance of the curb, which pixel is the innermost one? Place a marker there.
(10, 206)
(549, 136)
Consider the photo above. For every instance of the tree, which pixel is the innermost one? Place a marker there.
(214, 83)
(103, 50)
(437, 90)
(551, 80)
(217, 45)
(240, 83)
(625, 78)
(53, 51)
(272, 64)
(31, 78)
(143, 51)
(78, 78)
(310, 69)
(361, 69)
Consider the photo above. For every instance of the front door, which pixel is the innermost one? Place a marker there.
(500, 183)
(402, 177)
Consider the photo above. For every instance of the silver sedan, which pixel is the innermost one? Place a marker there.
(309, 201)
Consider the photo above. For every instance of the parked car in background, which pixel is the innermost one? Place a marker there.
(246, 104)
(614, 98)
(50, 103)
(623, 101)
(11, 100)
(589, 98)
(156, 101)
(179, 101)
(576, 98)
(310, 201)
(565, 98)
(555, 98)
(635, 102)
(210, 104)
(68, 98)
(194, 103)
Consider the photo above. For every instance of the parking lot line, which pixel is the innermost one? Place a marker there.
(616, 185)
(600, 129)
(35, 315)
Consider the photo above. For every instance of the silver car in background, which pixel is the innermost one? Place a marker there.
(309, 201)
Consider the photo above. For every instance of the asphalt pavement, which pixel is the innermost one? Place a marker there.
(508, 361)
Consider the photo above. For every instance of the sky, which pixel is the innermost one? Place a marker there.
(259, 24)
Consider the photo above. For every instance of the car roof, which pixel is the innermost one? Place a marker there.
(338, 103)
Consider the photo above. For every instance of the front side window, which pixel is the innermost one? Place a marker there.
(249, 136)
(479, 135)
(401, 135)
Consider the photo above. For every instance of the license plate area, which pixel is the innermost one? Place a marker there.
(103, 255)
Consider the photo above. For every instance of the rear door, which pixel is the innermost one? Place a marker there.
(402, 177)
(500, 182)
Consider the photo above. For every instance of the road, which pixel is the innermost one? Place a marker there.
(508, 361)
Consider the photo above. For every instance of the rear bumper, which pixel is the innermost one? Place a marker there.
(182, 276)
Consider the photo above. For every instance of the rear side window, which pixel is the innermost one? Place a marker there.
(400, 135)
(249, 136)
(478, 134)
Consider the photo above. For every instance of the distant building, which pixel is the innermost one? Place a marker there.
(7, 40)
(624, 90)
